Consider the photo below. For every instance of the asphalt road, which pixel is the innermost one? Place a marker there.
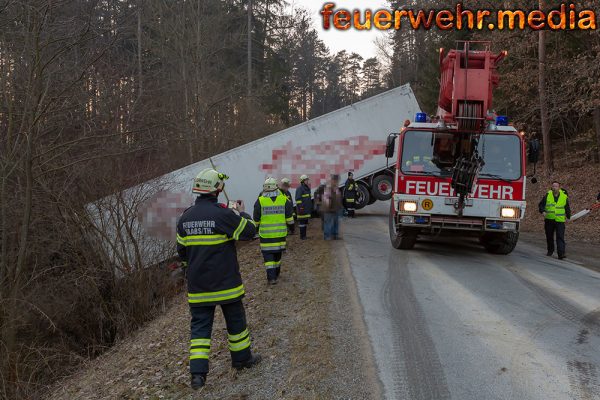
(449, 321)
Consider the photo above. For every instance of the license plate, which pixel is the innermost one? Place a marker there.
(450, 201)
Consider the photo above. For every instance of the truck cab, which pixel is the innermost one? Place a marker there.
(424, 200)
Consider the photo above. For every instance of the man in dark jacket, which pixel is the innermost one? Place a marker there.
(332, 206)
(206, 235)
(556, 210)
(303, 205)
(350, 191)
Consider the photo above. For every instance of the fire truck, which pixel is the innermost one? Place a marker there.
(461, 172)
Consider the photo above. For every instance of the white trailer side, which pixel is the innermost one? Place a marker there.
(350, 139)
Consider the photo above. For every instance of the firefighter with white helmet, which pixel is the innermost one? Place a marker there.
(284, 186)
(303, 205)
(206, 235)
(272, 215)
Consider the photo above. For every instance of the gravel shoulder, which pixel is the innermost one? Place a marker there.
(308, 328)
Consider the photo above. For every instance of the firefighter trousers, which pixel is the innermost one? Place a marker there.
(551, 227)
(302, 225)
(272, 264)
(238, 336)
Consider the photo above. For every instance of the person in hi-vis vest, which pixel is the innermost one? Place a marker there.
(273, 212)
(556, 210)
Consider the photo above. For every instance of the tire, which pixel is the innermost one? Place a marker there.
(362, 196)
(500, 243)
(372, 200)
(382, 187)
(405, 238)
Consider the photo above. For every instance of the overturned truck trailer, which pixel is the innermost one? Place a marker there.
(139, 223)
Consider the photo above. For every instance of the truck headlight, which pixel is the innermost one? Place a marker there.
(408, 206)
(510, 212)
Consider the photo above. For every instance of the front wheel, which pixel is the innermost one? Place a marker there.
(500, 243)
(402, 238)
(382, 187)
(362, 196)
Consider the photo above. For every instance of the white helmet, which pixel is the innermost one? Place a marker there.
(303, 178)
(209, 181)
(284, 181)
(270, 184)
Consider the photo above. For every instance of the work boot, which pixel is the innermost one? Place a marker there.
(272, 281)
(561, 256)
(198, 380)
(549, 254)
(255, 359)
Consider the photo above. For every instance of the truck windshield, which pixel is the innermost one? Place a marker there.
(424, 153)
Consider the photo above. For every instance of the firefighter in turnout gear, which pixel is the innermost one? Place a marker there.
(272, 215)
(303, 205)
(556, 210)
(206, 235)
(350, 189)
(284, 186)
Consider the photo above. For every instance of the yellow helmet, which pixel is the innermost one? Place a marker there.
(209, 181)
(270, 184)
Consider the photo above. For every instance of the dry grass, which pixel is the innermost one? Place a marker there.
(289, 324)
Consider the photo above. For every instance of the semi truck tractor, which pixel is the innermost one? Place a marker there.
(461, 171)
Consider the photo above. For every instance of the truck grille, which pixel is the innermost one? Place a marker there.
(457, 223)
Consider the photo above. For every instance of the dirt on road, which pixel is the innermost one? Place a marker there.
(308, 328)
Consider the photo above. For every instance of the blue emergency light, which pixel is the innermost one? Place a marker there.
(421, 117)
(502, 120)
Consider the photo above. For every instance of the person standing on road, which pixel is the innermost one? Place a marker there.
(303, 205)
(272, 213)
(332, 206)
(556, 210)
(206, 235)
(350, 195)
(284, 186)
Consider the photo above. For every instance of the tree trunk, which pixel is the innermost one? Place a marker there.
(249, 48)
(548, 161)
(597, 126)
(139, 47)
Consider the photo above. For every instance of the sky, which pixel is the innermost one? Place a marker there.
(351, 40)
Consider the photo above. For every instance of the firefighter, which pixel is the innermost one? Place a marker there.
(303, 205)
(284, 186)
(350, 189)
(556, 210)
(206, 235)
(272, 212)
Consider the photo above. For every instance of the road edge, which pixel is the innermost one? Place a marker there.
(358, 320)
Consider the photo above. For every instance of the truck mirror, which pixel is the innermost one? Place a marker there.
(390, 145)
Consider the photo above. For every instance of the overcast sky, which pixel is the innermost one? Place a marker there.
(351, 40)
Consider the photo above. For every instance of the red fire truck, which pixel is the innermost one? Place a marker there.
(462, 171)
